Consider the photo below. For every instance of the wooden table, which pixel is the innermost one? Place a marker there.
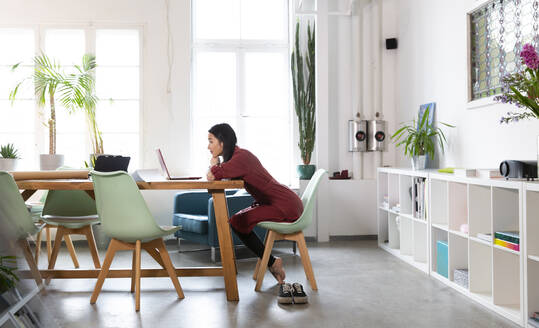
(215, 188)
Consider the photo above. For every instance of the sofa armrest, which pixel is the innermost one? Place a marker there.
(191, 202)
(235, 204)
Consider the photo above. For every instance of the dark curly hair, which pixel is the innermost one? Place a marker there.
(224, 133)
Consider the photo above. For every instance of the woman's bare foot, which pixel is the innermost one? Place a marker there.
(277, 270)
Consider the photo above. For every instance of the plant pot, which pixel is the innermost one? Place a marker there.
(49, 162)
(419, 162)
(8, 164)
(305, 172)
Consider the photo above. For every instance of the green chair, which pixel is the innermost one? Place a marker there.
(17, 221)
(291, 231)
(127, 220)
(72, 212)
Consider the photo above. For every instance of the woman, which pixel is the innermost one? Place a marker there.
(273, 201)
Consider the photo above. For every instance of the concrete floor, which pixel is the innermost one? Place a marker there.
(359, 284)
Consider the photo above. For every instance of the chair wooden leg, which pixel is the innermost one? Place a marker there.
(137, 275)
(265, 258)
(55, 250)
(71, 250)
(38, 247)
(156, 256)
(133, 271)
(93, 247)
(170, 268)
(306, 260)
(104, 270)
(259, 260)
(49, 243)
(23, 243)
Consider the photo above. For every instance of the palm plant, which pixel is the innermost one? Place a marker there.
(420, 140)
(8, 278)
(303, 84)
(76, 91)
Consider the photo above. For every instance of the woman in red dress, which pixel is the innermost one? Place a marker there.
(273, 201)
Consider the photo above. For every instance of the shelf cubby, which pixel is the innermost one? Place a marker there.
(393, 189)
(505, 209)
(383, 217)
(458, 254)
(480, 269)
(458, 205)
(532, 224)
(382, 187)
(438, 206)
(405, 194)
(406, 228)
(533, 287)
(420, 242)
(393, 231)
(506, 280)
(436, 234)
(479, 210)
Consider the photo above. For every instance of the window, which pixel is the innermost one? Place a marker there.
(240, 75)
(18, 125)
(117, 85)
(498, 30)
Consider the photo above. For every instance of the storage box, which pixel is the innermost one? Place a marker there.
(460, 276)
(442, 258)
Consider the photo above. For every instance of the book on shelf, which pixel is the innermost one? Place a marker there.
(506, 244)
(509, 236)
(484, 236)
(419, 198)
(464, 172)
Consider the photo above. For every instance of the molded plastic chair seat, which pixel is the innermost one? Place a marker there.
(291, 231)
(128, 221)
(72, 222)
(16, 221)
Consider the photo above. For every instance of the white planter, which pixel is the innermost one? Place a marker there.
(8, 164)
(419, 162)
(49, 162)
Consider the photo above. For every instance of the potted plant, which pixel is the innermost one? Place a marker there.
(419, 140)
(304, 89)
(75, 91)
(9, 156)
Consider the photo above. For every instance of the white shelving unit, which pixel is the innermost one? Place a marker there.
(458, 209)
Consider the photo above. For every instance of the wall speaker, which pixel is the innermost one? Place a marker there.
(391, 43)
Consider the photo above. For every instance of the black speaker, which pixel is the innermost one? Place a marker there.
(391, 43)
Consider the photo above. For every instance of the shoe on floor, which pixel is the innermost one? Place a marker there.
(285, 294)
(299, 294)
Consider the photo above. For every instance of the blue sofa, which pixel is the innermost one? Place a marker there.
(193, 210)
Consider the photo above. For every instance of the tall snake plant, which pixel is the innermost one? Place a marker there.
(303, 83)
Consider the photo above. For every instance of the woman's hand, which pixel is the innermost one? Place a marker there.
(210, 176)
(215, 161)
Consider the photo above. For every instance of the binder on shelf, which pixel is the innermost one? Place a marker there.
(509, 236)
(506, 244)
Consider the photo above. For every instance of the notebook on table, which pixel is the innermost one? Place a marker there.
(164, 168)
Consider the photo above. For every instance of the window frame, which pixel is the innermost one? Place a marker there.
(240, 47)
(89, 28)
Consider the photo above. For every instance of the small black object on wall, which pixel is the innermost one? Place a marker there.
(391, 43)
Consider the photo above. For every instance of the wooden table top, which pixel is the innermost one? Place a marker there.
(74, 184)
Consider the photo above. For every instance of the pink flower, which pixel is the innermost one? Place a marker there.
(529, 56)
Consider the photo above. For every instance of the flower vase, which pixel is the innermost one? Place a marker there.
(419, 162)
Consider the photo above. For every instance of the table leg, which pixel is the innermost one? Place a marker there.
(225, 244)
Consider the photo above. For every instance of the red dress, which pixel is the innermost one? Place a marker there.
(273, 201)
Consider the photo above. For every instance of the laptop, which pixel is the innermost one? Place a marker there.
(164, 169)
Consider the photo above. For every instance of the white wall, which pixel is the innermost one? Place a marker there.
(432, 66)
